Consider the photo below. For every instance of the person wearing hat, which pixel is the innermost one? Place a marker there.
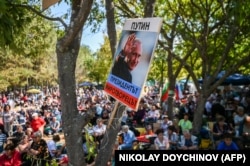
(37, 123)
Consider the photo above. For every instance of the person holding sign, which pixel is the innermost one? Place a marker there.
(128, 58)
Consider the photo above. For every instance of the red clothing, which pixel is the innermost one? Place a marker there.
(37, 123)
(15, 160)
(143, 138)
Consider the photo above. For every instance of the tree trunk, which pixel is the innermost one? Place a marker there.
(110, 15)
(198, 114)
(72, 122)
(149, 8)
(110, 136)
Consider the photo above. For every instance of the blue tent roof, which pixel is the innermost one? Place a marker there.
(234, 79)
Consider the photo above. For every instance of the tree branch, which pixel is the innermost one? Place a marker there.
(39, 13)
(79, 15)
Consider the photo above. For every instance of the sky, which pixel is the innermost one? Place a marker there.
(93, 40)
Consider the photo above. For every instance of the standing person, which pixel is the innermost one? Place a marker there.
(39, 151)
(161, 142)
(128, 58)
(8, 119)
(11, 157)
(37, 123)
(3, 140)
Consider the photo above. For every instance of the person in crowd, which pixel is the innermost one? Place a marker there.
(238, 119)
(11, 156)
(23, 148)
(99, 130)
(161, 142)
(128, 138)
(38, 151)
(52, 146)
(8, 119)
(244, 132)
(29, 133)
(3, 140)
(153, 115)
(54, 125)
(128, 58)
(173, 137)
(166, 123)
(188, 141)
(56, 113)
(130, 119)
(185, 124)
(219, 128)
(217, 108)
(227, 143)
(18, 135)
(64, 161)
(187, 107)
(44, 107)
(105, 116)
(140, 114)
(208, 107)
(21, 117)
(37, 123)
(1, 117)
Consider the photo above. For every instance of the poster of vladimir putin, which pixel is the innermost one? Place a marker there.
(132, 60)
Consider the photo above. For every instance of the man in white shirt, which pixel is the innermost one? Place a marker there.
(99, 131)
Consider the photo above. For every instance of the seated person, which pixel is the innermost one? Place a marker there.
(172, 137)
(105, 116)
(11, 156)
(188, 141)
(99, 130)
(185, 124)
(227, 143)
(54, 125)
(166, 123)
(52, 146)
(128, 138)
(161, 142)
(18, 135)
(140, 114)
(220, 128)
(244, 131)
(153, 115)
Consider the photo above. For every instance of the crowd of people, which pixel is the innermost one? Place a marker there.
(30, 124)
